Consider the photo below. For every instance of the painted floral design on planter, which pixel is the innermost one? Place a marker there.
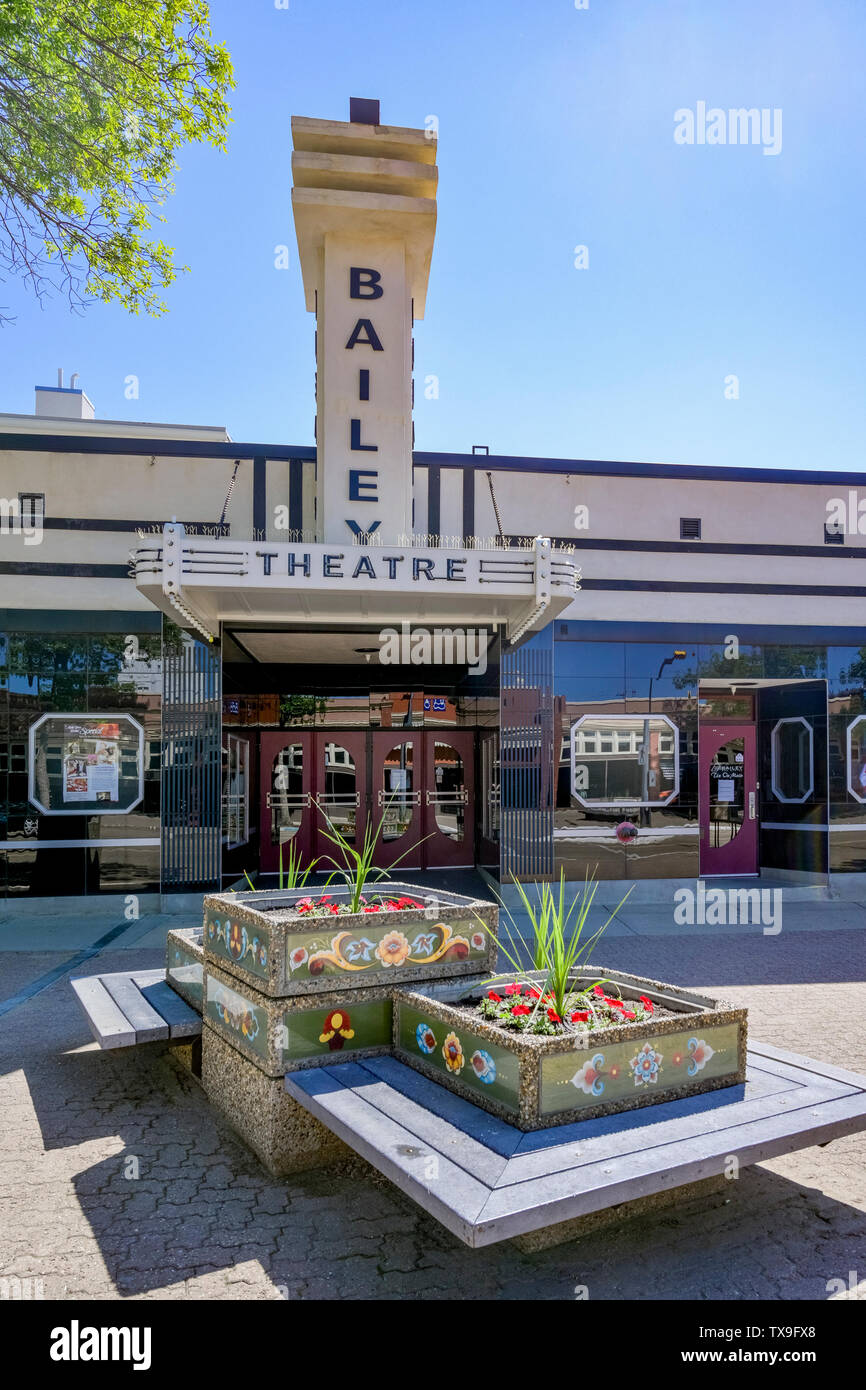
(484, 1066)
(478, 940)
(393, 949)
(646, 1065)
(701, 1054)
(337, 1030)
(452, 1051)
(237, 941)
(425, 1038)
(241, 1021)
(298, 957)
(589, 1078)
(349, 952)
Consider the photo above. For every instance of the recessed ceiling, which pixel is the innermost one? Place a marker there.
(357, 648)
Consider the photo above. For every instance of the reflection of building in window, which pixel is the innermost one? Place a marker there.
(620, 759)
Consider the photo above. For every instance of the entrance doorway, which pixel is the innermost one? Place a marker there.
(419, 783)
(728, 799)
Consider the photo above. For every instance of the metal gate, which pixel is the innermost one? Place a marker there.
(526, 759)
(191, 766)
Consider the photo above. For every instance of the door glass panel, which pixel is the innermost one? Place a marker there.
(727, 792)
(397, 792)
(286, 799)
(490, 788)
(340, 799)
(236, 820)
(449, 793)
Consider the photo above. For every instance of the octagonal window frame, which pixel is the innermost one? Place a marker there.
(73, 809)
(595, 805)
(849, 765)
(777, 793)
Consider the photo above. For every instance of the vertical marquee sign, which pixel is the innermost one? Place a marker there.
(365, 215)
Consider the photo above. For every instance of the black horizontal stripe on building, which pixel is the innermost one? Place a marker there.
(71, 571)
(670, 586)
(114, 523)
(498, 463)
(673, 547)
(63, 620)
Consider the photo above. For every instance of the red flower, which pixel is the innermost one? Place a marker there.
(615, 1003)
(597, 989)
(533, 992)
(512, 989)
(647, 1003)
(553, 1016)
(519, 1009)
(374, 907)
(334, 909)
(631, 1017)
(497, 998)
(579, 1017)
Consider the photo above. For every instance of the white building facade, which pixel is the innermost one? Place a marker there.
(522, 664)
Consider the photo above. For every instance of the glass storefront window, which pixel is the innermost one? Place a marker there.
(624, 760)
(721, 706)
(79, 764)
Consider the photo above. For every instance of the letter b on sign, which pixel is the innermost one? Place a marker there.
(364, 284)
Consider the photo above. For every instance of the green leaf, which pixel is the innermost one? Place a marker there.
(96, 102)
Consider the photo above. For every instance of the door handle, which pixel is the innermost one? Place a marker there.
(751, 805)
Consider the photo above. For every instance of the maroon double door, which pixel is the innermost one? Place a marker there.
(728, 799)
(419, 783)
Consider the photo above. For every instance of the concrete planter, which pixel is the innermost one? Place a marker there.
(261, 939)
(534, 1081)
(184, 963)
(279, 1035)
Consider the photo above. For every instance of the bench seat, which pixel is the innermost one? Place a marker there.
(130, 1007)
(487, 1181)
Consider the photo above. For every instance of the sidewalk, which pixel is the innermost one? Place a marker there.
(195, 1216)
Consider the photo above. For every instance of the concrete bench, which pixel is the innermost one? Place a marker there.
(130, 1007)
(487, 1181)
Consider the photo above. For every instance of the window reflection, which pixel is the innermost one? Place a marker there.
(624, 760)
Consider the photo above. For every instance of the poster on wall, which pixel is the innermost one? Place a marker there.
(91, 762)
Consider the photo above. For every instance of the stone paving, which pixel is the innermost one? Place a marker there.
(117, 1180)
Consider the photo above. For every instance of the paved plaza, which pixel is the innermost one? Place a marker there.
(118, 1180)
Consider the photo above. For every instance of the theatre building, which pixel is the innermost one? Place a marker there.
(514, 664)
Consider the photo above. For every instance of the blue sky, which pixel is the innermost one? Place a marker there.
(556, 130)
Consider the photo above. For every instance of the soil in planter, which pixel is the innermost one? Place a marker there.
(521, 1009)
